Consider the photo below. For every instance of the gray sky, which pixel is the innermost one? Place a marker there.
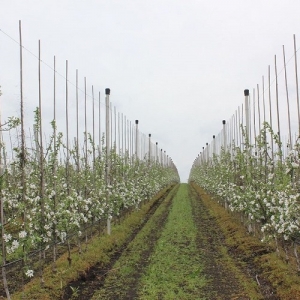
(180, 67)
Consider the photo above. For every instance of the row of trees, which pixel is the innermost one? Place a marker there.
(258, 182)
(58, 194)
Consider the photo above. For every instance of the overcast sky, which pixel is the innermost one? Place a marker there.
(179, 67)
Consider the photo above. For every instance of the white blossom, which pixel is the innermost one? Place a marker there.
(22, 234)
(29, 273)
(7, 237)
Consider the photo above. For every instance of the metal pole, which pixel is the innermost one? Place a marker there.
(115, 143)
(99, 122)
(149, 148)
(94, 154)
(297, 88)
(287, 100)
(246, 93)
(224, 135)
(119, 135)
(85, 124)
(214, 144)
(258, 108)
(277, 105)
(107, 165)
(136, 138)
(270, 105)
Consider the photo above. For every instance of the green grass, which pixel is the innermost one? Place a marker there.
(175, 270)
(122, 279)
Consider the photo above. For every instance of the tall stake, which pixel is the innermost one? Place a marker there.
(94, 154)
(254, 120)
(277, 105)
(77, 127)
(224, 135)
(23, 153)
(22, 156)
(54, 164)
(68, 152)
(99, 122)
(258, 108)
(237, 143)
(2, 220)
(264, 103)
(136, 139)
(122, 130)
(246, 93)
(119, 135)
(115, 127)
(125, 139)
(107, 163)
(297, 88)
(270, 105)
(67, 131)
(111, 125)
(131, 141)
(42, 179)
(149, 159)
(240, 130)
(85, 127)
(287, 100)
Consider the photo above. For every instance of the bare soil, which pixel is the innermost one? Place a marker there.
(224, 280)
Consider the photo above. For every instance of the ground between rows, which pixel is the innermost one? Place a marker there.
(94, 279)
(135, 272)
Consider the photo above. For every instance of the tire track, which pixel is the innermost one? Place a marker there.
(223, 284)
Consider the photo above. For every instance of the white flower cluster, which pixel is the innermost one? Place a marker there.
(29, 273)
(70, 205)
(265, 191)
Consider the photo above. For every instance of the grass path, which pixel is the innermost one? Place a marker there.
(176, 268)
(178, 254)
(121, 281)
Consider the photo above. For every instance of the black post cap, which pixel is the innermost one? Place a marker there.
(107, 91)
(156, 143)
(149, 134)
(136, 121)
(246, 92)
(223, 122)
(214, 136)
(206, 144)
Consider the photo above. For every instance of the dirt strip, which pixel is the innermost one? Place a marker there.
(225, 283)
